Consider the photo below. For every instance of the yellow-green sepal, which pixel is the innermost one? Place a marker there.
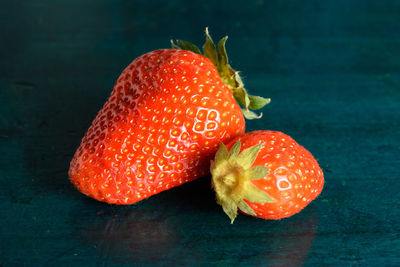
(253, 194)
(256, 172)
(232, 175)
(248, 156)
(243, 206)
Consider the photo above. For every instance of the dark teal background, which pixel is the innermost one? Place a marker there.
(332, 69)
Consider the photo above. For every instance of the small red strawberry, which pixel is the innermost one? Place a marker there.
(272, 178)
(162, 123)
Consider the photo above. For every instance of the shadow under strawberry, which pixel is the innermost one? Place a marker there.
(141, 233)
(184, 226)
(291, 248)
(133, 235)
(248, 242)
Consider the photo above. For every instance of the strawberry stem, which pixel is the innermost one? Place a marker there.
(218, 56)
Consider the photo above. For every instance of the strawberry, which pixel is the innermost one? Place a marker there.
(162, 123)
(272, 178)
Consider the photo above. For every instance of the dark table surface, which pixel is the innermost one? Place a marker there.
(332, 69)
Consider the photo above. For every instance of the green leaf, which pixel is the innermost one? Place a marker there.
(243, 206)
(246, 101)
(223, 56)
(256, 195)
(188, 46)
(234, 150)
(257, 172)
(247, 157)
(174, 46)
(228, 75)
(257, 102)
(230, 209)
(222, 153)
(239, 81)
(240, 96)
(209, 49)
(250, 115)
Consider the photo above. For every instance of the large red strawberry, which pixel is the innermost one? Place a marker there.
(162, 123)
(273, 177)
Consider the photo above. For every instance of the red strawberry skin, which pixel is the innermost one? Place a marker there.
(159, 128)
(294, 179)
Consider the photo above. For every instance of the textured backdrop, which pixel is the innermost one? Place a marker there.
(332, 69)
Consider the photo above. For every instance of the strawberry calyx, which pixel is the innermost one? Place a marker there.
(232, 173)
(218, 56)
